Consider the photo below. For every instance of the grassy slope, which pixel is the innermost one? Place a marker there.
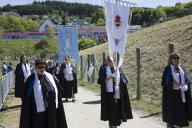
(10, 47)
(153, 42)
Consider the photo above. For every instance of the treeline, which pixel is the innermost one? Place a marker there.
(67, 12)
(15, 24)
(150, 16)
(49, 7)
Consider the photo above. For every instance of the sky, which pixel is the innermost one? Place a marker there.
(140, 3)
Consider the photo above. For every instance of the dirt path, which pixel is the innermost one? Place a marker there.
(85, 113)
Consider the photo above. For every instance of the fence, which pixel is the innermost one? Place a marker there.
(142, 68)
(6, 83)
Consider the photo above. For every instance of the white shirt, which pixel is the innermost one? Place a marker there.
(109, 82)
(69, 73)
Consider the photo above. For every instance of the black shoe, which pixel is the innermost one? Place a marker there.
(73, 100)
(170, 126)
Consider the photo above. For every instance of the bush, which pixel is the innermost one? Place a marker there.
(41, 44)
(1, 51)
(86, 43)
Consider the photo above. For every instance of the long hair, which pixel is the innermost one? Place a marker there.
(21, 58)
(170, 58)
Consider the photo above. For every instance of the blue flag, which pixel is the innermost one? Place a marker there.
(68, 42)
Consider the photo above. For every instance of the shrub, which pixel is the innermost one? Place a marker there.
(41, 44)
(86, 43)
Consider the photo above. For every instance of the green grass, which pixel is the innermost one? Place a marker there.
(13, 47)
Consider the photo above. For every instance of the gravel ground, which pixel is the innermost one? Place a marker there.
(85, 113)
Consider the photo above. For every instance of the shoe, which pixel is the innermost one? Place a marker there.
(73, 100)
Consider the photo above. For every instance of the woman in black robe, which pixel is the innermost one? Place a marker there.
(22, 72)
(113, 111)
(69, 84)
(176, 97)
(42, 104)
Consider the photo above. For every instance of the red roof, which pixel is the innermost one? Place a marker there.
(26, 33)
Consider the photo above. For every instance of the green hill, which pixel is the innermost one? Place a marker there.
(153, 42)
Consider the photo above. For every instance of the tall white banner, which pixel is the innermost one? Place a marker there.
(117, 18)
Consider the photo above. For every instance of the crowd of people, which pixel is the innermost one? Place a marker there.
(42, 84)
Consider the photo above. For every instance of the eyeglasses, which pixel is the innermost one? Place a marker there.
(41, 67)
(175, 58)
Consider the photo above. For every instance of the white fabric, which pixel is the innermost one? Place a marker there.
(183, 85)
(90, 71)
(26, 71)
(109, 82)
(68, 73)
(38, 92)
(112, 9)
(58, 68)
(4, 66)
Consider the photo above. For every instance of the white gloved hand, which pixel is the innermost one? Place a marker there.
(184, 88)
(114, 74)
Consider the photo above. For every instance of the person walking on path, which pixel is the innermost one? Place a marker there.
(68, 76)
(114, 110)
(22, 72)
(4, 68)
(42, 105)
(176, 95)
(10, 67)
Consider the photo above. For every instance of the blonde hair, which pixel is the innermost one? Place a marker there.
(170, 58)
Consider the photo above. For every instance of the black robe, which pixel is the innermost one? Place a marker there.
(125, 111)
(174, 111)
(69, 88)
(19, 81)
(52, 118)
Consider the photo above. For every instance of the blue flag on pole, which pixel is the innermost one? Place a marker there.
(68, 42)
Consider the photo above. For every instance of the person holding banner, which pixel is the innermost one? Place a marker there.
(42, 105)
(68, 79)
(114, 110)
(176, 95)
(22, 72)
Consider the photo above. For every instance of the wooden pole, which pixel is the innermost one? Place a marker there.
(81, 68)
(93, 75)
(171, 48)
(138, 73)
(88, 66)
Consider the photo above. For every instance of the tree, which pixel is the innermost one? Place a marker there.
(86, 43)
(100, 22)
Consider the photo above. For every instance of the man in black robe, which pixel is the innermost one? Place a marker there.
(45, 112)
(113, 111)
(69, 84)
(22, 71)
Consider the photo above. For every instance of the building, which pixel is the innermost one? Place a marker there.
(23, 35)
(49, 23)
(80, 22)
(99, 32)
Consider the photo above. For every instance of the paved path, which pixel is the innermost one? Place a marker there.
(85, 113)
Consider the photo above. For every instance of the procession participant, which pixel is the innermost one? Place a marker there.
(22, 72)
(68, 79)
(176, 95)
(42, 105)
(114, 110)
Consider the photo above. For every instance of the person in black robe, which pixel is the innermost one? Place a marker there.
(22, 72)
(68, 79)
(42, 108)
(176, 108)
(100, 71)
(114, 111)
